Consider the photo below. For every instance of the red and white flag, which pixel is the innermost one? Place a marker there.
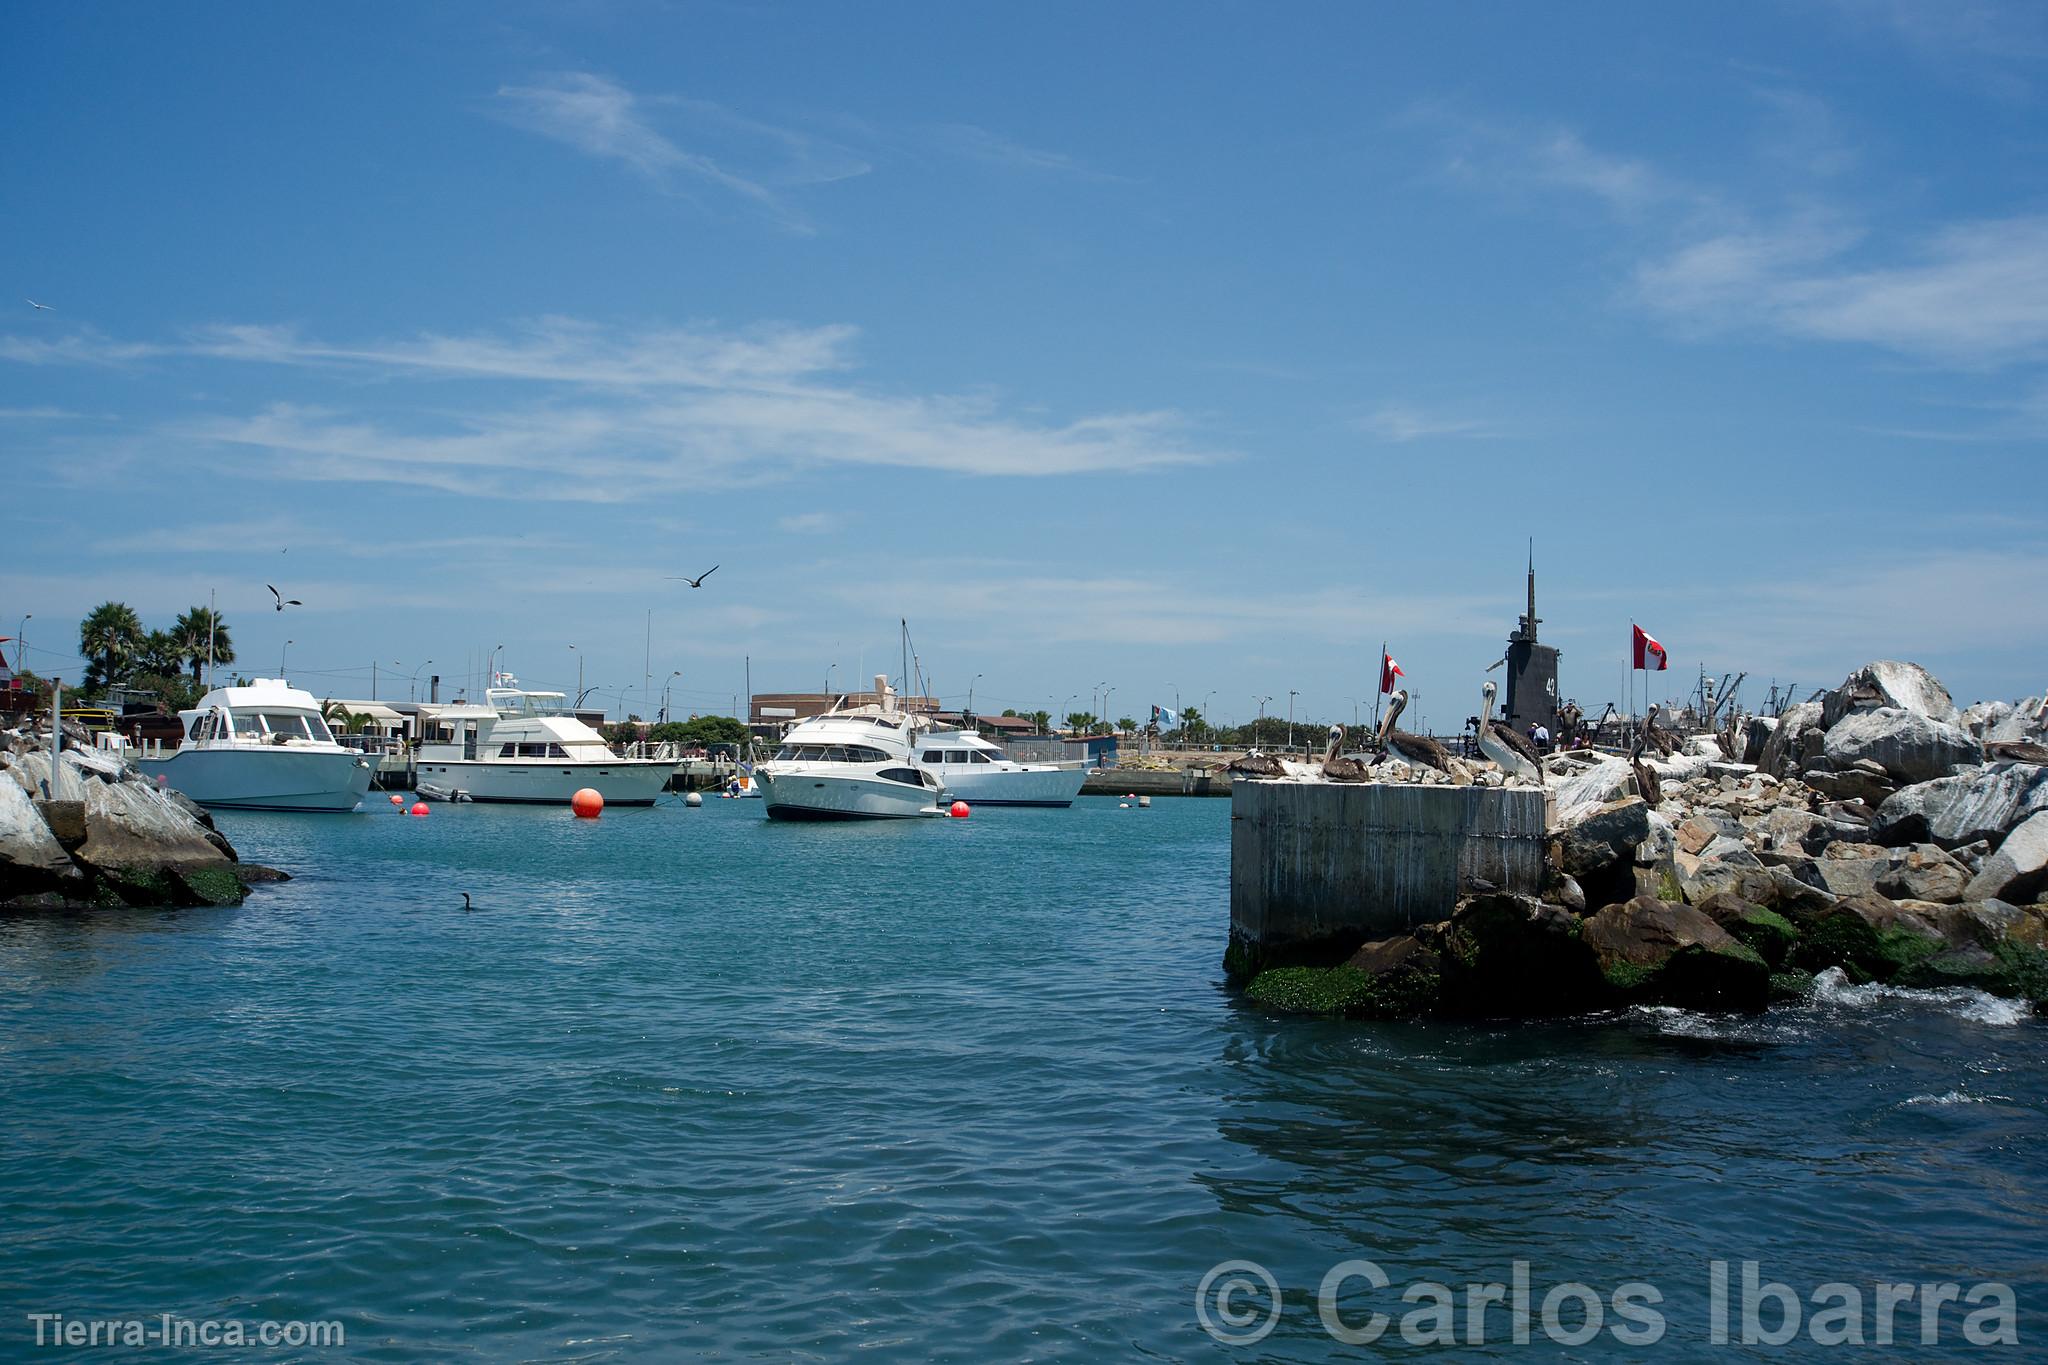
(1649, 654)
(1389, 670)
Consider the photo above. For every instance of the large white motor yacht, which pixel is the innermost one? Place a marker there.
(528, 747)
(854, 764)
(981, 774)
(260, 747)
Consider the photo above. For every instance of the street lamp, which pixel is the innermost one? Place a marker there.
(970, 694)
(1106, 690)
(1262, 720)
(280, 657)
(664, 693)
(413, 682)
(21, 640)
(579, 673)
(1291, 695)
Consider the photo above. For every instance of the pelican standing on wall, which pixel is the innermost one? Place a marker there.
(1516, 755)
(1417, 751)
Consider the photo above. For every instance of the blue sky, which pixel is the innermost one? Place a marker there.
(1190, 349)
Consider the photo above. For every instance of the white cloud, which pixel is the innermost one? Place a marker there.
(1401, 424)
(979, 144)
(565, 409)
(804, 523)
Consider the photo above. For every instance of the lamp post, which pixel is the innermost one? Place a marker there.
(579, 673)
(413, 682)
(970, 693)
(280, 658)
(664, 693)
(1106, 691)
(21, 641)
(1291, 695)
(1261, 721)
(1072, 697)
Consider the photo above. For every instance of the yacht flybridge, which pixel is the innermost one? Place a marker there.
(859, 763)
(528, 747)
(260, 747)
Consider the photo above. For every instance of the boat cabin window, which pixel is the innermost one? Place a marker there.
(956, 755)
(979, 756)
(830, 753)
(911, 775)
(934, 756)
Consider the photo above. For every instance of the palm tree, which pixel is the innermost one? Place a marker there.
(1191, 722)
(1126, 725)
(1080, 720)
(108, 637)
(191, 630)
(160, 655)
(339, 717)
(1042, 719)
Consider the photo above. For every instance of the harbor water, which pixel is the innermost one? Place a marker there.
(688, 1084)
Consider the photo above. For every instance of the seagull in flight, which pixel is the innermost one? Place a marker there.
(696, 582)
(282, 600)
(44, 306)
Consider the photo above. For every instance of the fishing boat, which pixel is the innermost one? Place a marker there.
(853, 763)
(259, 747)
(528, 748)
(981, 774)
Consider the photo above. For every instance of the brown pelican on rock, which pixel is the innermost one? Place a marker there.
(1336, 767)
(1665, 743)
(1417, 751)
(1513, 752)
(1255, 764)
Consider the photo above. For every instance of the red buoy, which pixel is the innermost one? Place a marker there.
(587, 802)
(397, 800)
(419, 808)
(959, 810)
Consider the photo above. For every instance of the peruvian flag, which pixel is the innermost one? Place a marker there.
(1649, 654)
(1389, 670)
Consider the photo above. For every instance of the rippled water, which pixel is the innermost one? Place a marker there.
(688, 1084)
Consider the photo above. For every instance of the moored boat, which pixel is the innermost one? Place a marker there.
(856, 764)
(528, 748)
(260, 747)
(981, 774)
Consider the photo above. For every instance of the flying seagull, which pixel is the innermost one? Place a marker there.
(696, 582)
(44, 306)
(282, 600)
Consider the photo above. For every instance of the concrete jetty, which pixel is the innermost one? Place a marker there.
(1318, 868)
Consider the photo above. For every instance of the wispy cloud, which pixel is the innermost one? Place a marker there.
(1401, 424)
(806, 523)
(1977, 292)
(603, 119)
(976, 143)
(565, 409)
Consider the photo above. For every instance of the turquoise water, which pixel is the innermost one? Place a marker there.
(688, 1084)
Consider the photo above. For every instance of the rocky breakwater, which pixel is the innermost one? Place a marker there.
(95, 833)
(1878, 832)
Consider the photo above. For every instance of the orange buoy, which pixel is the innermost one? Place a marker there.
(397, 800)
(587, 802)
(959, 810)
(419, 808)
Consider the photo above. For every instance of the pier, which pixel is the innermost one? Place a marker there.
(1317, 868)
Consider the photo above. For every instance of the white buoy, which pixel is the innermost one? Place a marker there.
(1144, 803)
(1123, 805)
(694, 799)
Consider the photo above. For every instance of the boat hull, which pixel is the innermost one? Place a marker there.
(264, 779)
(983, 785)
(824, 796)
(624, 783)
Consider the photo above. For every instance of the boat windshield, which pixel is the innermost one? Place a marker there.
(830, 753)
(276, 725)
(508, 702)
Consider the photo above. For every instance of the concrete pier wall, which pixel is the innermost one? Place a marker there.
(1318, 868)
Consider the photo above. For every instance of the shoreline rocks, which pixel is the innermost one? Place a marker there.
(94, 834)
(1870, 837)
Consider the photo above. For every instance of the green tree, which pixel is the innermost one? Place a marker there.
(1042, 719)
(1010, 712)
(339, 717)
(108, 637)
(1191, 723)
(1080, 720)
(191, 630)
(1126, 725)
(160, 654)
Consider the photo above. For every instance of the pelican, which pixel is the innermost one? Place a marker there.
(1664, 743)
(1647, 785)
(1256, 764)
(1515, 755)
(282, 600)
(1338, 768)
(696, 582)
(1417, 751)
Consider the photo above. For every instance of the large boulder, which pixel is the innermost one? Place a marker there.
(1981, 803)
(150, 851)
(1869, 937)
(1924, 872)
(1908, 746)
(1510, 955)
(1797, 738)
(31, 858)
(1769, 933)
(1756, 734)
(2018, 871)
(1657, 951)
(1889, 683)
(1591, 788)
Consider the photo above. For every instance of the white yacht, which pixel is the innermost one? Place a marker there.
(260, 747)
(527, 747)
(856, 764)
(981, 774)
